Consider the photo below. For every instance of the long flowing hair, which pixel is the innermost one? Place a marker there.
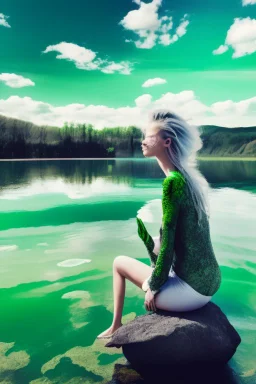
(185, 142)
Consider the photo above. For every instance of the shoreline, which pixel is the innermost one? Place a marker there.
(129, 158)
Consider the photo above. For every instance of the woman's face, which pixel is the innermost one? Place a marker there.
(152, 143)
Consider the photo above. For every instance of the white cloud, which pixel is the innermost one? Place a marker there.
(220, 50)
(152, 82)
(86, 59)
(143, 100)
(15, 81)
(241, 36)
(240, 108)
(181, 30)
(225, 113)
(151, 29)
(249, 2)
(122, 67)
(3, 20)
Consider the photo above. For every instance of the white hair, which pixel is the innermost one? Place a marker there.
(185, 142)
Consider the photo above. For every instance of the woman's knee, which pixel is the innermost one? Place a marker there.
(119, 261)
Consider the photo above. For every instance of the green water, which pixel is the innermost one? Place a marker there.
(63, 223)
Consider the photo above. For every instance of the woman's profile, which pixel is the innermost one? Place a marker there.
(184, 273)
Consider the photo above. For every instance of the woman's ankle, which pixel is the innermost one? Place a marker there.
(116, 324)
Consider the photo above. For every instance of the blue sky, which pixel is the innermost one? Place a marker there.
(110, 62)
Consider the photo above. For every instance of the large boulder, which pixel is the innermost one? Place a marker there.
(200, 337)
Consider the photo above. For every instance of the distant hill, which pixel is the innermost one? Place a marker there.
(22, 139)
(220, 141)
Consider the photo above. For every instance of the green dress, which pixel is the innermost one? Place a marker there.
(185, 246)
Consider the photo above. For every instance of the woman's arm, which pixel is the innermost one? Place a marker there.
(153, 252)
(152, 255)
(147, 240)
(173, 192)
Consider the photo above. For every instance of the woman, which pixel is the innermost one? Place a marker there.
(184, 273)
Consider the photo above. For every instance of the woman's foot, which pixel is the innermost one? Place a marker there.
(108, 332)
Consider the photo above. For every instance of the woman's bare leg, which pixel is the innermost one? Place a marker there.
(125, 267)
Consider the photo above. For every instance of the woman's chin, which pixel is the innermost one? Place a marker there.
(147, 154)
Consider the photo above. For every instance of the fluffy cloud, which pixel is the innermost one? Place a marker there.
(224, 113)
(152, 82)
(15, 81)
(3, 20)
(220, 50)
(151, 29)
(241, 36)
(143, 100)
(249, 2)
(86, 59)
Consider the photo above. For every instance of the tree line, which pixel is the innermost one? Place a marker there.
(22, 139)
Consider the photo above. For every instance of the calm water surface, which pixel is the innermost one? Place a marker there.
(63, 223)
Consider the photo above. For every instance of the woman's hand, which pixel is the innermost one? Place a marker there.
(150, 301)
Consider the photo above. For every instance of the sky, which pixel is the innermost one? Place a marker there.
(111, 62)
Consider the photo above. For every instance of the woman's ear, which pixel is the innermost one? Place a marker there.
(168, 141)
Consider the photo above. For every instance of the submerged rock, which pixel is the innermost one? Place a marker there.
(200, 337)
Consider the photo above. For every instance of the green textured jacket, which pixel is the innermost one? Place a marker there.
(185, 246)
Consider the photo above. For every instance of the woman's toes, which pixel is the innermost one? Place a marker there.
(107, 332)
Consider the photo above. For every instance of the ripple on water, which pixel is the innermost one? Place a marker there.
(76, 295)
(73, 262)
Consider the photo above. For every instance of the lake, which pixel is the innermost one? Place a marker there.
(62, 224)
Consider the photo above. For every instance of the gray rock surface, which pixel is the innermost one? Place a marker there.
(178, 338)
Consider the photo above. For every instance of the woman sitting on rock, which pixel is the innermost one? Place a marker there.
(184, 273)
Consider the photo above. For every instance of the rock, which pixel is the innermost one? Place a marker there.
(125, 374)
(195, 338)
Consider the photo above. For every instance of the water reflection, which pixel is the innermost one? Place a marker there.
(63, 222)
(122, 171)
